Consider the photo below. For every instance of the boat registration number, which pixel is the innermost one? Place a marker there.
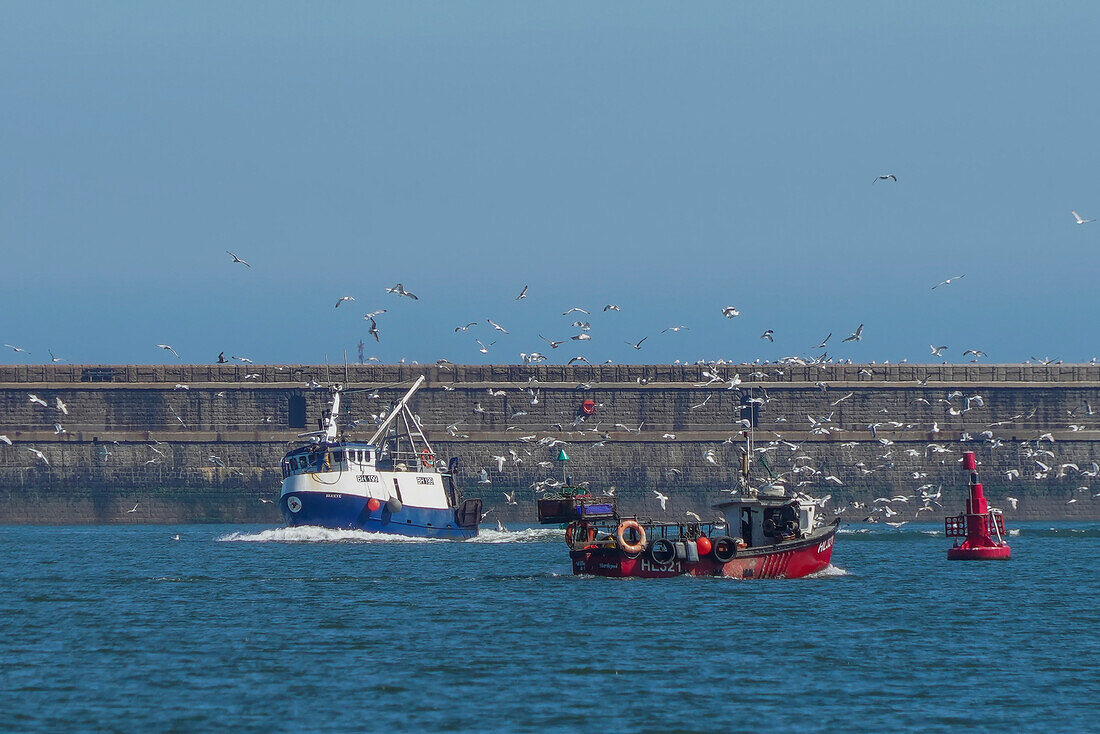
(825, 544)
(367, 478)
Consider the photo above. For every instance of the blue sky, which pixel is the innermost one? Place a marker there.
(671, 158)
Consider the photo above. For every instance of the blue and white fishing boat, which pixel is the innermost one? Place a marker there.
(391, 483)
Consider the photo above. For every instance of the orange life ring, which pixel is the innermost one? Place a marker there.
(620, 536)
(579, 534)
(426, 458)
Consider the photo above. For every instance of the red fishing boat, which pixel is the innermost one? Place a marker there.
(763, 535)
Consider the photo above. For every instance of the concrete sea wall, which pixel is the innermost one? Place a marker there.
(203, 443)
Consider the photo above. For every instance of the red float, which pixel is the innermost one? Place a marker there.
(704, 545)
(588, 407)
(977, 525)
(373, 504)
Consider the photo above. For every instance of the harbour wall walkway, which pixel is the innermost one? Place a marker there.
(191, 443)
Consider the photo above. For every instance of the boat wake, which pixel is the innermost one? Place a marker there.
(310, 534)
(526, 535)
(828, 572)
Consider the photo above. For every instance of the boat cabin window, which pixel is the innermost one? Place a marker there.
(294, 465)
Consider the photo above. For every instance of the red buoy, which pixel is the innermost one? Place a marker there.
(373, 504)
(982, 528)
(588, 407)
(703, 544)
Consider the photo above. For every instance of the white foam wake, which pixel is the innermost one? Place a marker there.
(526, 535)
(311, 534)
(828, 572)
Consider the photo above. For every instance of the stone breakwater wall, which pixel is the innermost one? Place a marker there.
(203, 443)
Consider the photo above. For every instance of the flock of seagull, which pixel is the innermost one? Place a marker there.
(799, 472)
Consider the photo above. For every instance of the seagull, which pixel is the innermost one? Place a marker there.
(581, 337)
(373, 330)
(663, 499)
(823, 342)
(1080, 220)
(937, 351)
(372, 314)
(483, 477)
(496, 326)
(53, 358)
(676, 328)
(168, 348)
(35, 399)
(691, 514)
(729, 312)
(15, 348)
(484, 347)
(464, 328)
(768, 335)
(976, 352)
(522, 294)
(5, 439)
(856, 335)
(1012, 501)
(611, 307)
(237, 259)
(576, 308)
(948, 281)
(553, 344)
(243, 360)
(500, 462)
(639, 344)
(39, 454)
(400, 290)
(176, 536)
(58, 429)
(578, 358)
(133, 509)
(342, 299)
(510, 499)
(886, 176)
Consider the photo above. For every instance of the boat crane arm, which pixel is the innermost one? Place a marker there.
(331, 425)
(384, 426)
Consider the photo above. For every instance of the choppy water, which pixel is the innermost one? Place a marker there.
(253, 629)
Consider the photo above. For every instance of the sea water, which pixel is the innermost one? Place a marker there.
(272, 629)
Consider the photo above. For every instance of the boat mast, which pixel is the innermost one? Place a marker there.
(401, 405)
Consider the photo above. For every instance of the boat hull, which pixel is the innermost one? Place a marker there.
(791, 559)
(351, 512)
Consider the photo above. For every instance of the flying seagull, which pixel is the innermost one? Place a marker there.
(15, 348)
(823, 341)
(948, 281)
(342, 299)
(676, 328)
(400, 290)
(496, 326)
(639, 344)
(856, 335)
(373, 330)
(484, 347)
(662, 498)
(575, 308)
(553, 344)
(1080, 220)
(237, 259)
(35, 399)
(133, 509)
(729, 312)
(937, 351)
(372, 314)
(39, 454)
(522, 294)
(886, 176)
(168, 348)
(768, 335)
(467, 326)
(611, 307)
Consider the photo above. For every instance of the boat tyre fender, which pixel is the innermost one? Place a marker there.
(724, 549)
(579, 534)
(631, 549)
(662, 551)
(426, 458)
(393, 505)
